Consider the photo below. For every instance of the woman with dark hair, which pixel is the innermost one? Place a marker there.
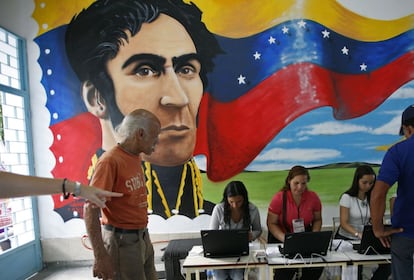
(354, 213)
(354, 209)
(294, 209)
(235, 212)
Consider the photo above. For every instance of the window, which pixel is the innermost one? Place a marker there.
(16, 214)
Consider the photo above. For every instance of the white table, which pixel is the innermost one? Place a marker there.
(344, 257)
(275, 260)
(357, 259)
(196, 262)
(361, 259)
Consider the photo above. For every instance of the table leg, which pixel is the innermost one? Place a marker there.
(262, 273)
(189, 272)
(349, 272)
(270, 272)
(188, 275)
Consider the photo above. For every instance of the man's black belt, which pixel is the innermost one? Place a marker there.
(123, 230)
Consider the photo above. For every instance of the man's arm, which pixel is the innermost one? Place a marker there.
(16, 185)
(103, 267)
(377, 206)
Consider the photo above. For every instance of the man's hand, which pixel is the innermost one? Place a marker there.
(384, 234)
(97, 196)
(103, 268)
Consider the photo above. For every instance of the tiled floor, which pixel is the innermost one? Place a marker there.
(61, 271)
(82, 270)
(78, 271)
(65, 272)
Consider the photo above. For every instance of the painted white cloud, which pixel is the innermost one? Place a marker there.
(282, 159)
(284, 140)
(405, 92)
(291, 140)
(392, 127)
(336, 128)
(298, 155)
(333, 128)
(260, 166)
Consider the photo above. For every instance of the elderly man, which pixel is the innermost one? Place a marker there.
(124, 249)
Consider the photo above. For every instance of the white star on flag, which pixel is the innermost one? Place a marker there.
(241, 79)
(326, 33)
(363, 67)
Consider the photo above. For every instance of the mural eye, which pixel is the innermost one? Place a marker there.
(146, 71)
(187, 71)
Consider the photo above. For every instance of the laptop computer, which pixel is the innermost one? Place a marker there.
(306, 244)
(370, 245)
(225, 243)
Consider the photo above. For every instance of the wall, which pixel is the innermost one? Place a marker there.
(62, 240)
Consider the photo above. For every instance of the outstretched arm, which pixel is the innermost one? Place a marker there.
(16, 185)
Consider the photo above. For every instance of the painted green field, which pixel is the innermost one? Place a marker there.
(329, 183)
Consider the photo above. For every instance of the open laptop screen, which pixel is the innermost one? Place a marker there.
(306, 244)
(225, 243)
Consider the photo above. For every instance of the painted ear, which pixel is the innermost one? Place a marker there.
(93, 100)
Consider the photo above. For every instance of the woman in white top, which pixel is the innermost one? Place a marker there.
(235, 212)
(354, 212)
(354, 209)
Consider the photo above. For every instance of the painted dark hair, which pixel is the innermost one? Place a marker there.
(235, 188)
(293, 172)
(94, 36)
(360, 171)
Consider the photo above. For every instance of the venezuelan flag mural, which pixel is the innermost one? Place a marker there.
(301, 56)
(297, 82)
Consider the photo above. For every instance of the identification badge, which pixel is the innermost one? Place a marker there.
(298, 225)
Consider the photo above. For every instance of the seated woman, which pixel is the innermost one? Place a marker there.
(294, 209)
(235, 212)
(354, 213)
